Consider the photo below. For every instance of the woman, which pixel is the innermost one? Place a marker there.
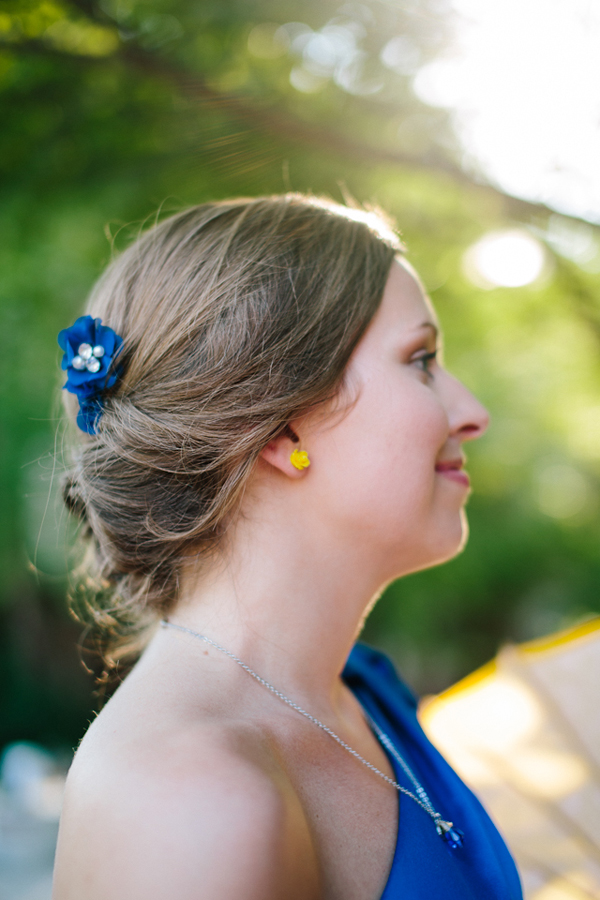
(273, 442)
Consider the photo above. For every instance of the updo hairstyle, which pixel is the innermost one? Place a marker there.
(237, 317)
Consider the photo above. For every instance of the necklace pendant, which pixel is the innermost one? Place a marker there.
(454, 837)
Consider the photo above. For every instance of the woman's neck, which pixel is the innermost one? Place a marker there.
(285, 602)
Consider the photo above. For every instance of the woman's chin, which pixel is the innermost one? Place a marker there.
(451, 543)
(465, 530)
(441, 552)
(457, 544)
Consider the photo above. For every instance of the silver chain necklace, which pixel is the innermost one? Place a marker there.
(446, 830)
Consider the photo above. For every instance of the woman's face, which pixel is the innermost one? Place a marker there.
(388, 473)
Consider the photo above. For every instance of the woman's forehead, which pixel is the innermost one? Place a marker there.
(405, 305)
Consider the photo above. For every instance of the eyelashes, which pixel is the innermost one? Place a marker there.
(425, 362)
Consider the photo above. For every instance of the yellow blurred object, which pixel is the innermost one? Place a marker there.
(524, 733)
(299, 459)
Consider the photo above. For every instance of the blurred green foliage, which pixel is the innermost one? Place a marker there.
(117, 111)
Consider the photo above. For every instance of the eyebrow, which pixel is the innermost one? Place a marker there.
(433, 327)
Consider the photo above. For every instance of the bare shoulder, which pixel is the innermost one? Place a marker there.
(202, 813)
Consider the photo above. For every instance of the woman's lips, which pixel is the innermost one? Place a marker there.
(453, 470)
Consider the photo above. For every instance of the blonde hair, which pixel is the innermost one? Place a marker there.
(237, 317)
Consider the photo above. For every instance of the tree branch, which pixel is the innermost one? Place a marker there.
(93, 11)
(275, 121)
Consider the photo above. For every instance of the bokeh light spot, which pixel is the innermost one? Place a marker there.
(562, 491)
(511, 258)
(268, 41)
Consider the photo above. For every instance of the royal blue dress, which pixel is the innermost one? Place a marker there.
(424, 866)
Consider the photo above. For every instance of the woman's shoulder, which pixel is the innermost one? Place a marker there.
(199, 809)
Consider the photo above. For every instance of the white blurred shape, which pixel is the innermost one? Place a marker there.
(305, 81)
(541, 785)
(350, 76)
(343, 37)
(320, 54)
(575, 240)
(562, 491)
(575, 885)
(499, 718)
(28, 774)
(548, 774)
(294, 34)
(401, 55)
(22, 763)
(524, 85)
(510, 258)
(331, 52)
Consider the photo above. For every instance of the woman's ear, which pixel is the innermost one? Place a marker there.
(278, 453)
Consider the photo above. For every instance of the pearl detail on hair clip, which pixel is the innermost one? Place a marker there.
(88, 358)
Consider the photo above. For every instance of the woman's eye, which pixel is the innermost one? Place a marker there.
(425, 361)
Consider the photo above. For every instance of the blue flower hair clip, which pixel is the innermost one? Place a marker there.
(89, 350)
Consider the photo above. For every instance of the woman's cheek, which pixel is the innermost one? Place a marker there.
(427, 423)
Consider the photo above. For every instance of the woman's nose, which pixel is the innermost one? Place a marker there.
(468, 417)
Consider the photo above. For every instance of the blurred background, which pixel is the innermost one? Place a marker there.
(476, 123)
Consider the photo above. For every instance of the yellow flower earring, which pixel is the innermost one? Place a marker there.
(299, 459)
